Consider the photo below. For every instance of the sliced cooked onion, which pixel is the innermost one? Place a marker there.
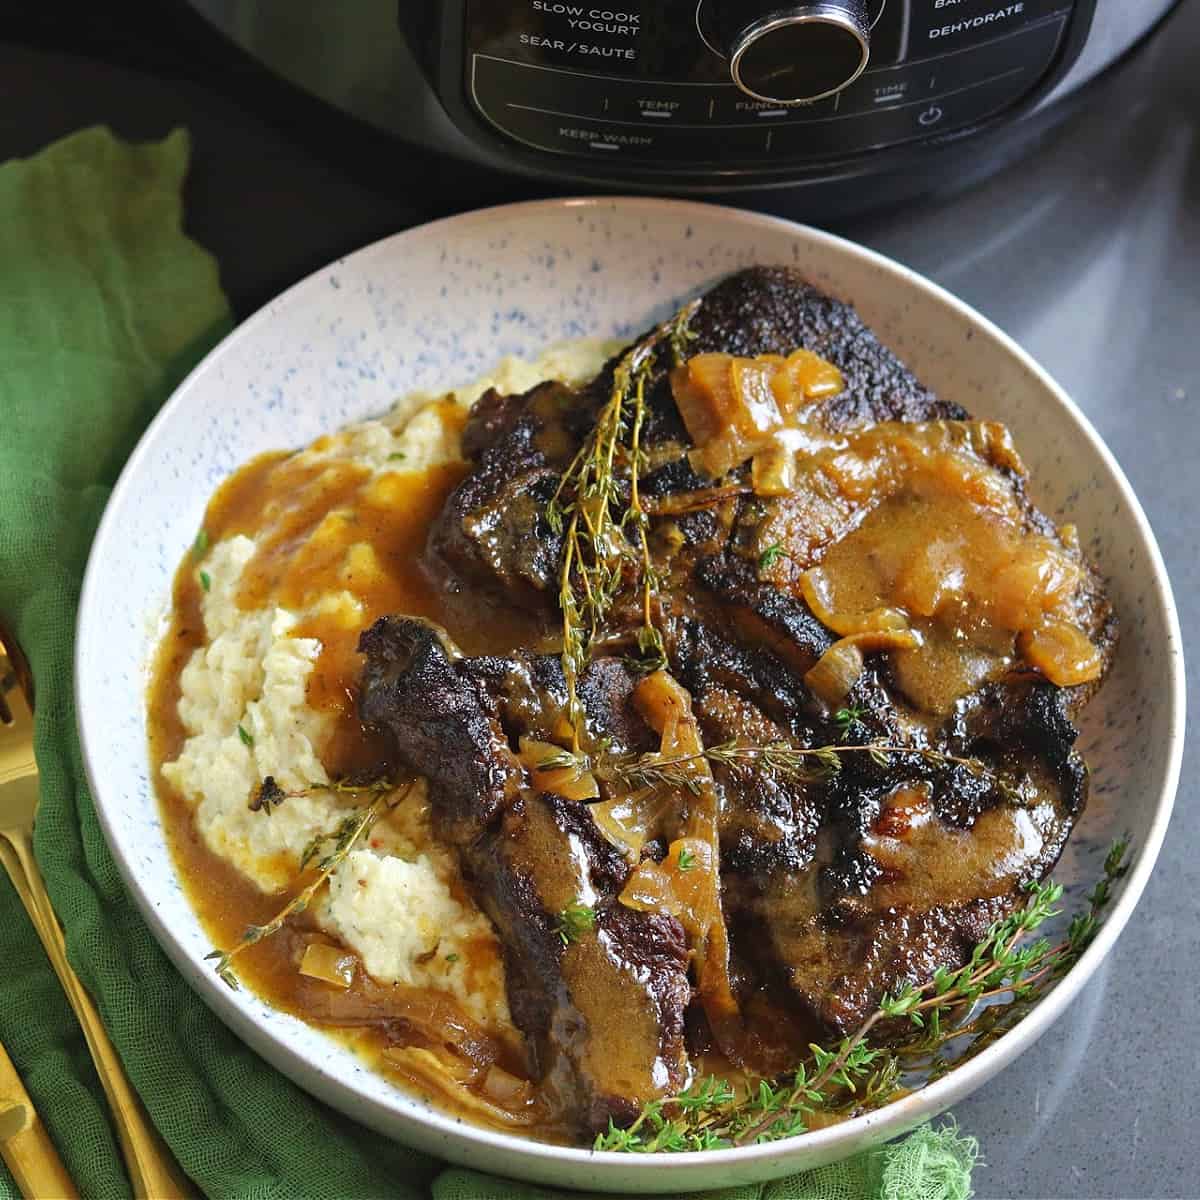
(666, 707)
(648, 889)
(678, 885)
(629, 822)
(757, 413)
(805, 377)
(873, 641)
(1038, 579)
(703, 391)
(330, 964)
(568, 782)
(431, 1016)
(773, 471)
(846, 624)
(732, 407)
(508, 1090)
(838, 669)
(661, 702)
(440, 1072)
(720, 455)
(993, 442)
(836, 672)
(1062, 652)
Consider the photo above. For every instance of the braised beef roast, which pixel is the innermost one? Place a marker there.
(603, 1013)
(834, 891)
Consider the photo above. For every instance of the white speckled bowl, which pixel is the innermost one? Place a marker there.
(438, 305)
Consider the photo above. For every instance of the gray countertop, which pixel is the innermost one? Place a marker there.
(1088, 253)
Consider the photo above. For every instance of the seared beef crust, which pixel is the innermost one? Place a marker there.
(835, 891)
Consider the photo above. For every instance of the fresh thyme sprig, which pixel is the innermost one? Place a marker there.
(996, 1019)
(596, 545)
(650, 642)
(341, 840)
(856, 1075)
(813, 764)
(269, 795)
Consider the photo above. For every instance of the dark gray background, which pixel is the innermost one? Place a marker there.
(1088, 253)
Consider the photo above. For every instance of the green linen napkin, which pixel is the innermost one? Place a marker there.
(104, 305)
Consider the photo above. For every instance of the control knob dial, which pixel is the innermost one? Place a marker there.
(793, 53)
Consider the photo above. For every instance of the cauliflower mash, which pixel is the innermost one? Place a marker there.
(256, 702)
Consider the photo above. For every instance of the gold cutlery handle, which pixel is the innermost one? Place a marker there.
(25, 1145)
(153, 1172)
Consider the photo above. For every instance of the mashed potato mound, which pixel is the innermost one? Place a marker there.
(251, 677)
(396, 901)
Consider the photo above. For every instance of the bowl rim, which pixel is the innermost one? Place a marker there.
(899, 1115)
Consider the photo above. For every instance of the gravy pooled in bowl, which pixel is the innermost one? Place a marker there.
(255, 680)
(652, 721)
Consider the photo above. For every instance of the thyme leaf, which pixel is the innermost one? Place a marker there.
(574, 921)
(846, 719)
(770, 556)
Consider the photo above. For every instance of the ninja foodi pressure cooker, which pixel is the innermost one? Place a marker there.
(724, 96)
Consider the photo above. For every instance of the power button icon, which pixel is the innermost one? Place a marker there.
(931, 116)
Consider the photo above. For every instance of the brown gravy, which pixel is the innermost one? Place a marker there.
(858, 523)
(920, 527)
(322, 527)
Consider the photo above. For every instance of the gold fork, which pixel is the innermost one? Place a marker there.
(24, 1143)
(152, 1170)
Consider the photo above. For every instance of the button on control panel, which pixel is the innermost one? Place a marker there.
(639, 82)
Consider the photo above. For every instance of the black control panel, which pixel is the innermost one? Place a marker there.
(650, 84)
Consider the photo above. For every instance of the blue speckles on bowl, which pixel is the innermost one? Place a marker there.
(435, 307)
